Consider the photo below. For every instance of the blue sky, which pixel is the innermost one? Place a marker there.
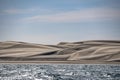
(53, 21)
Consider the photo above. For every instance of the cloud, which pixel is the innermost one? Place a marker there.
(17, 11)
(91, 14)
(24, 11)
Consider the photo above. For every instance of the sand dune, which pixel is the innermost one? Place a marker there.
(97, 50)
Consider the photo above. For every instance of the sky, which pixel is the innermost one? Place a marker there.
(54, 21)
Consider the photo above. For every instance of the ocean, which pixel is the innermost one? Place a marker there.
(59, 71)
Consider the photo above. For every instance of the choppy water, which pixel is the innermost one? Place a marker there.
(59, 72)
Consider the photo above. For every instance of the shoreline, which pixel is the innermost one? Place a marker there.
(57, 62)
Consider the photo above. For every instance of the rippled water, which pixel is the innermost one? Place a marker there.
(59, 72)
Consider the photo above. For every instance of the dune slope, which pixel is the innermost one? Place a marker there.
(96, 50)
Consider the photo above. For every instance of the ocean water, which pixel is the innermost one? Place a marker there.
(59, 72)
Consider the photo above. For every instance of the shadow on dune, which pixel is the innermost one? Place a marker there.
(96, 50)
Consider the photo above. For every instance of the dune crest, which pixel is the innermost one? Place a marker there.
(96, 50)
